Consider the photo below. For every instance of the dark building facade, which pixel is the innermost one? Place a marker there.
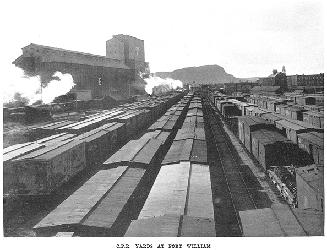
(117, 74)
(275, 79)
(244, 87)
(305, 80)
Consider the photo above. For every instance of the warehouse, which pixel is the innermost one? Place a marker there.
(115, 75)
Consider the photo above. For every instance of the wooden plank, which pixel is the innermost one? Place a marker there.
(198, 227)
(179, 151)
(163, 226)
(15, 147)
(200, 196)
(108, 210)
(148, 153)
(199, 134)
(127, 152)
(21, 151)
(184, 134)
(60, 139)
(40, 151)
(199, 152)
(79, 204)
(168, 193)
(163, 137)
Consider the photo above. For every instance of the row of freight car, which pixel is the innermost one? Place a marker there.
(41, 166)
(156, 185)
(311, 114)
(257, 215)
(306, 136)
(34, 113)
(272, 150)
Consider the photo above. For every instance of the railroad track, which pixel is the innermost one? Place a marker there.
(239, 192)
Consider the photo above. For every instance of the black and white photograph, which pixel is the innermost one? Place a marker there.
(142, 120)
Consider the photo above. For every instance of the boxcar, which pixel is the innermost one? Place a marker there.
(248, 124)
(313, 143)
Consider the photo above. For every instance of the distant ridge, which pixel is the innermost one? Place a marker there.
(206, 74)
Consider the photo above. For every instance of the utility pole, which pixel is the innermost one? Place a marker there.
(41, 92)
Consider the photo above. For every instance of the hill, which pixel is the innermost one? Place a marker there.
(207, 74)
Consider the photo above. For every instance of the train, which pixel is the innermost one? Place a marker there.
(63, 149)
(276, 140)
(153, 182)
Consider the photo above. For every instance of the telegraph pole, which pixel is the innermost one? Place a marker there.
(41, 92)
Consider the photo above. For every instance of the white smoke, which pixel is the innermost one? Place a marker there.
(30, 87)
(167, 84)
(57, 87)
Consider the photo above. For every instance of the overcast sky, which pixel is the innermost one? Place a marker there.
(247, 38)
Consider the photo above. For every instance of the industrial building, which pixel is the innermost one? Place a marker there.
(275, 79)
(116, 75)
(244, 87)
(314, 80)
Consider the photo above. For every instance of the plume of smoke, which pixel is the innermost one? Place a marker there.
(167, 84)
(18, 84)
(58, 87)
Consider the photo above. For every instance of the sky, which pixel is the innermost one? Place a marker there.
(248, 38)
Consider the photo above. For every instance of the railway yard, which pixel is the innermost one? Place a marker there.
(185, 164)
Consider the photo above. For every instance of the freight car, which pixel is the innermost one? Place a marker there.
(277, 221)
(248, 124)
(291, 128)
(179, 204)
(171, 120)
(101, 142)
(314, 118)
(44, 170)
(13, 152)
(313, 143)
(113, 194)
(39, 170)
(272, 149)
